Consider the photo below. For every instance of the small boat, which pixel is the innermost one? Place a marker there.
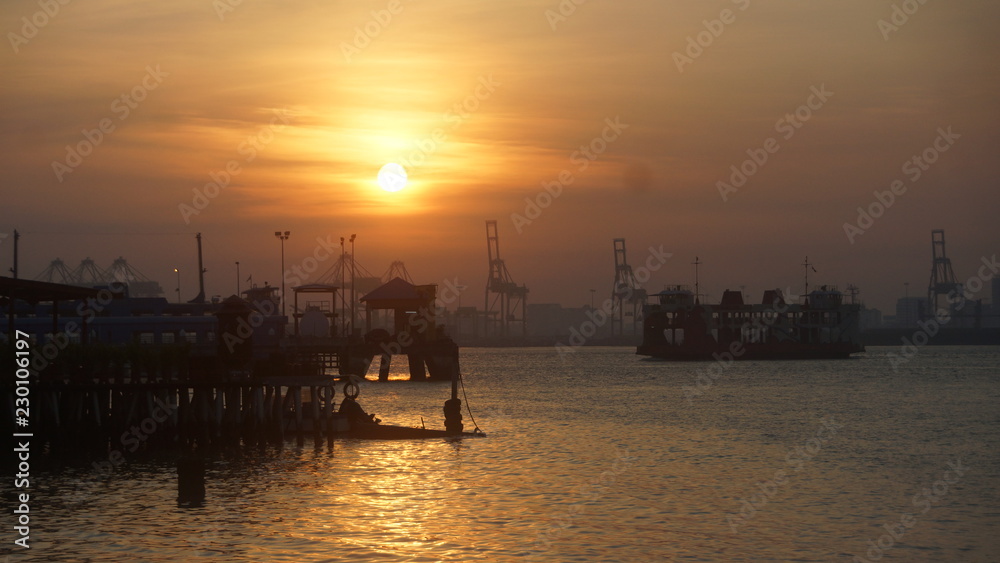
(345, 426)
(364, 425)
(351, 421)
(374, 431)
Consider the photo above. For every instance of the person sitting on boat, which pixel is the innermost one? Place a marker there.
(350, 408)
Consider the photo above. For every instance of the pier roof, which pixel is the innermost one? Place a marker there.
(34, 291)
(317, 288)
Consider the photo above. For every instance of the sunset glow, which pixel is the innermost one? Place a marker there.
(513, 280)
(392, 177)
(228, 118)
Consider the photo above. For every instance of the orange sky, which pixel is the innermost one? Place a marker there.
(484, 102)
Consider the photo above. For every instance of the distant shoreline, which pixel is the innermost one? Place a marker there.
(871, 337)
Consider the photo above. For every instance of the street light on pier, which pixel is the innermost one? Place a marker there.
(352, 283)
(283, 236)
(343, 305)
(178, 272)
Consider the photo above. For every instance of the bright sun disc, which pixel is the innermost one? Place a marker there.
(392, 177)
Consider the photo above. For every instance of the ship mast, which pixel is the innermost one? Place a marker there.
(807, 265)
(696, 263)
(200, 298)
(17, 238)
(853, 291)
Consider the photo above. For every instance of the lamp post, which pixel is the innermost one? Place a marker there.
(283, 236)
(592, 298)
(343, 311)
(178, 272)
(353, 271)
(237, 278)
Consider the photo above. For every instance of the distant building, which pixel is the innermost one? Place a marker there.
(992, 313)
(909, 311)
(545, 319)
(870, 318)
(554, 320)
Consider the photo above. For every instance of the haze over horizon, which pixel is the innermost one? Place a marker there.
(745, 133)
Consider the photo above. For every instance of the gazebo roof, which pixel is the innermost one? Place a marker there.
(396, 289)
(398, 293)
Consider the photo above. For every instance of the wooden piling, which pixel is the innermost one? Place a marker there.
(383, 367)
(417, 371)
(190, 481)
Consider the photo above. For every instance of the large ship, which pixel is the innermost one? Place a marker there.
(677, 326)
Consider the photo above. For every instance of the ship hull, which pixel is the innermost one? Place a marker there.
(678, 327)
(751, 352)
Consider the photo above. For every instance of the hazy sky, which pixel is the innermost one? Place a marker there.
(484, 103)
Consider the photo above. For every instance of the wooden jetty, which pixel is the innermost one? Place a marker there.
(248, 383)
(129, 414)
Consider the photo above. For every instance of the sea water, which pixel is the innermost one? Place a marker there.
(592, 454)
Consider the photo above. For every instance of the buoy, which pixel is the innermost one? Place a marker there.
(453, 415)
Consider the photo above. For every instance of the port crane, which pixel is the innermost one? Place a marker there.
(626, 296)
(506, 301)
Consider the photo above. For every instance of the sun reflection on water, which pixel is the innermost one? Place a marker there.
(574, 468)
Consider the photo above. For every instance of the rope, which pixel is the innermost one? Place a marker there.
(469, 410)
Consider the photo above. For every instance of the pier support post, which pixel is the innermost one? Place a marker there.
(314, 409)
(190, 481)
(383, 367)
(297, 402)
(328, 394)
(417, 371)
(278, 414)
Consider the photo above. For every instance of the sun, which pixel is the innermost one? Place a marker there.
(392, 177)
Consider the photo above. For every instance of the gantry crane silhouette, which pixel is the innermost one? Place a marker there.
(506, 301)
